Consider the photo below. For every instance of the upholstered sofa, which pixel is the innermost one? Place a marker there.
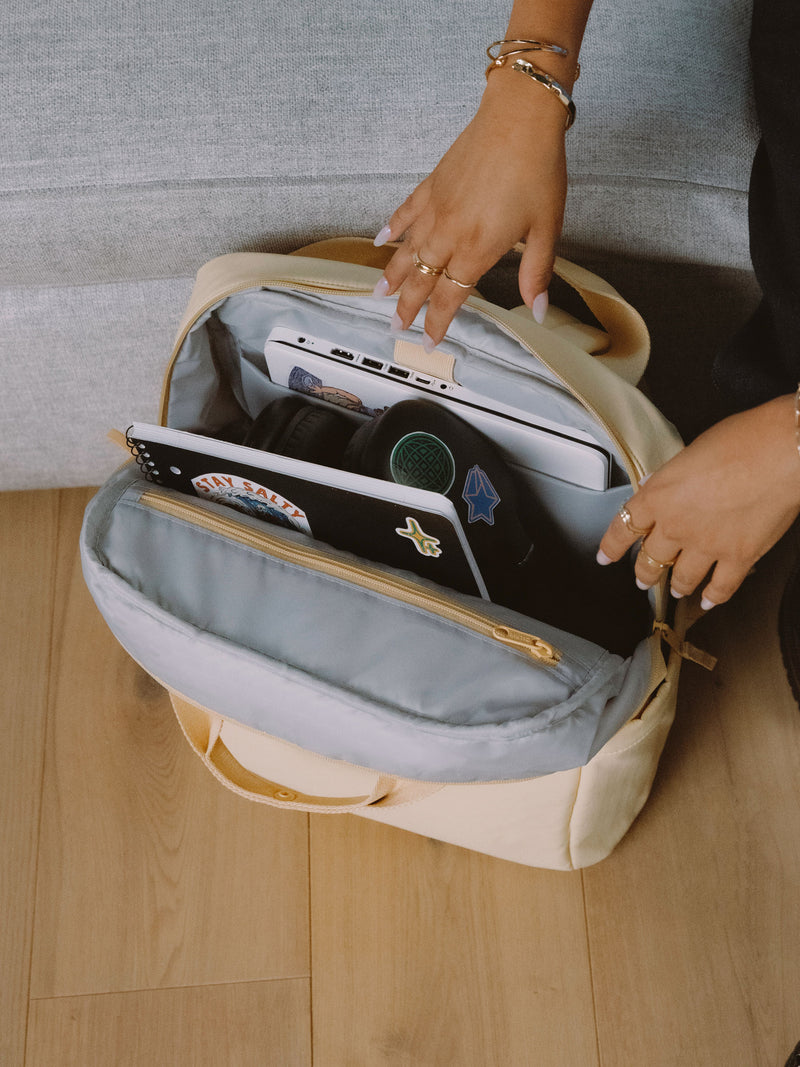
(141, 139)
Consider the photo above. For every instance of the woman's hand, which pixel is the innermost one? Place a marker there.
(504, 179)
(718, 506)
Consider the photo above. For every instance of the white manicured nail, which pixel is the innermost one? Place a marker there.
(676, 594)
(603, 559)
(540, 306)
(641, 584)
(428, 343)
(707, 604)
(382, 288)
(396, 325)
(382, 237)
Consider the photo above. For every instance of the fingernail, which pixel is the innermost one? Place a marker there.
(396, 325)
(382, 288)
(428, 343)
(540, 306)
(676, 594)
(641, 584)
(603, 559)
(382, 237)
(707, 604)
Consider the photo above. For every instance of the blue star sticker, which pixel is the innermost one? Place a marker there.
(481, 496)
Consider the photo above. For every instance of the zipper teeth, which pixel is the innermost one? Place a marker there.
(365, 577)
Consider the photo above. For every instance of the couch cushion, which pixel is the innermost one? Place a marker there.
(140, 139)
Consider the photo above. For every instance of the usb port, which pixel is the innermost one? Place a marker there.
(375, 364)
(398, 372)
(342, 353)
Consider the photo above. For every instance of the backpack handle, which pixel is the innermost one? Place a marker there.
(628, 348)
(202, 730)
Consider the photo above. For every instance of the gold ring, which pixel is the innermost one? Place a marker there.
(455, 281)
(426, 268)
(656, 562)
(627, 519)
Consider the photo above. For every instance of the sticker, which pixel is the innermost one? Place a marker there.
(424, 544)
(303, 381)
(481, 496)
(251, 498)
(423, 461)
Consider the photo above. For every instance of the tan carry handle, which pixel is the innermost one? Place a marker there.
(628, 349)
(201, 729)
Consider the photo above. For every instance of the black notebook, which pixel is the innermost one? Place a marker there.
(402, 526)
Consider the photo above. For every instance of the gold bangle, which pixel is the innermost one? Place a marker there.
(543, 79)
(529, 46)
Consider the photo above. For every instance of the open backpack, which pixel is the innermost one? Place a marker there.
(309, 678)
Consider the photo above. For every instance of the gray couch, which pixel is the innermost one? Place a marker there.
(141, 139)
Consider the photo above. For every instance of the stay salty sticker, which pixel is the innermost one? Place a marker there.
(251, 498)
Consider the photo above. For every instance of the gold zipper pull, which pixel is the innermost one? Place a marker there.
(534, 646)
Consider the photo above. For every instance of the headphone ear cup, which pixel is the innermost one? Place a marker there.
(290, 426)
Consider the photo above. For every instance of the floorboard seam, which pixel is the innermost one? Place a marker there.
(45, 733)
(591, 970)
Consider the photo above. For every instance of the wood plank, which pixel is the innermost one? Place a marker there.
(424, 954)
(151, 874)
(259, 1024)
(694, 922)
(28, 529)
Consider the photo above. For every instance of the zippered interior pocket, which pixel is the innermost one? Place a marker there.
(300, 602)
(287, 635)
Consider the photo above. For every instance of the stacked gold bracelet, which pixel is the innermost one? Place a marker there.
(533, 72)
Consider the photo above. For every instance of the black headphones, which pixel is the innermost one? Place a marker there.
(291, 426)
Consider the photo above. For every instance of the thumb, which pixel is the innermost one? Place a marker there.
(535, 273)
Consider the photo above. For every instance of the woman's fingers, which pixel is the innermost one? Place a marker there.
(622, 533)
(406, 215)
(725, 580)
(417, 273)
(463, 270)
(689, 572)
(536, 270)
(414, 270)
(656, 556)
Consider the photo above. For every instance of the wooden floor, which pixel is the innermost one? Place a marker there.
(149, 917)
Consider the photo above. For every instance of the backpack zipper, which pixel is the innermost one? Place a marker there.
(393, 586)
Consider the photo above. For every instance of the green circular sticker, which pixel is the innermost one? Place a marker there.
(423, 461)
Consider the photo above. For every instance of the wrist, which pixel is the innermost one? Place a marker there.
(779, 421)
(509, 94)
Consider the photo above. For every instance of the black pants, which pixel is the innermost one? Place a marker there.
(763, 360)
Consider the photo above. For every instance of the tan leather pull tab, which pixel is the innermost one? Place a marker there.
(414, 357)
(685, 649)
(117, 437)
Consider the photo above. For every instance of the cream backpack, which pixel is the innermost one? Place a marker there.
(308, 679)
